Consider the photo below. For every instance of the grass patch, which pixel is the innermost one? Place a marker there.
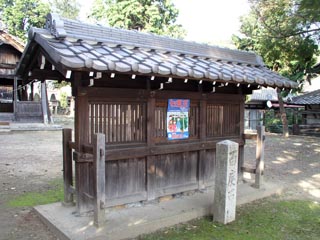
(30, 199)
(262, 220)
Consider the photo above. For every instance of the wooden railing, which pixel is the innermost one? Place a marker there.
(98, 152)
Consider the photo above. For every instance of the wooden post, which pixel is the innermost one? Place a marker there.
(99, 157)
(44, 102)
(32, 92)
(241, 147)
(259, 157)
(203, 135)
(241, 164)
(67, 166)
(151, 159)
(15, 96)
(80, 138)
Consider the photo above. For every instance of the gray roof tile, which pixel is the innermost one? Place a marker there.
(93, 47)
(311, 98)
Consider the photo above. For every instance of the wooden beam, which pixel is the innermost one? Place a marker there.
(7, 65)
(118, 152)
(46, 74)
(252, 136)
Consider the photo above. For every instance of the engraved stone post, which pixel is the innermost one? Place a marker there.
(225, 194)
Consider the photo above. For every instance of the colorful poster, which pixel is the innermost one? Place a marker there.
(177, 119)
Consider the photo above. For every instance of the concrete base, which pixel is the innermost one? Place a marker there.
(16, 126)
(132, 222)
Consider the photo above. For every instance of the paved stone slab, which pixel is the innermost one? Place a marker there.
(14, 126)
(132, 222)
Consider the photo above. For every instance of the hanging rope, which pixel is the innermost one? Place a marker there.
(20, 87)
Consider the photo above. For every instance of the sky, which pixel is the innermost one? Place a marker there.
(211, 20)
(208, 21)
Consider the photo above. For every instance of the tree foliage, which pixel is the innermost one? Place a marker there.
(19, 15)
(297, 17)
(277, 30)
(156, 16)
(285, 33)
(66, 8)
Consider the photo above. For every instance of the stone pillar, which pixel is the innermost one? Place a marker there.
(226, 178)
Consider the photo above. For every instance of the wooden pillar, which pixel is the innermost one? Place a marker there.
(81, 137)
(259, 157)
(202, 152)
(24, 93)
(71, 107)
(99, 156)
(15, 96)
(67, 166)
(44, 103)
(32, 92)
(151, 159)
(241, 147)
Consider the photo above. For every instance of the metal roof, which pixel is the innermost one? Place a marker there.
(86, 47)
(311, 98)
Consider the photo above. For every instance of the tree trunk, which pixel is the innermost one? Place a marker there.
(283, 115)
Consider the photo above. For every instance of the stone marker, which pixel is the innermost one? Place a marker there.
(226, 178)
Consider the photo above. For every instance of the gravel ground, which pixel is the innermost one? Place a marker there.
(30, 160)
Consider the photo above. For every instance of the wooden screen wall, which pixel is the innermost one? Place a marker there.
(141, 163)
(120, 122)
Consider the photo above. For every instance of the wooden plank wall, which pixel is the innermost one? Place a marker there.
(141, 163)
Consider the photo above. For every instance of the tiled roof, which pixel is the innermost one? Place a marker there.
(311, 98)
(87, 47)
(264, 94)
(7, 38)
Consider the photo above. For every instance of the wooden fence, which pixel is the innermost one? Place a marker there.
(27, 111)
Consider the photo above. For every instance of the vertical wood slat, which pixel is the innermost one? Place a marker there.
(112, 122)
(120, 123)
(125, 124)
(132, 122)
(138, 122)
(99, 178)
(109, 123)
(96, 118)
(100, 119)
(164, 121)
(144, 122)
(67, 165)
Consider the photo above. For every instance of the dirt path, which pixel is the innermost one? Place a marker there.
(293, 162)
(30, 160)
